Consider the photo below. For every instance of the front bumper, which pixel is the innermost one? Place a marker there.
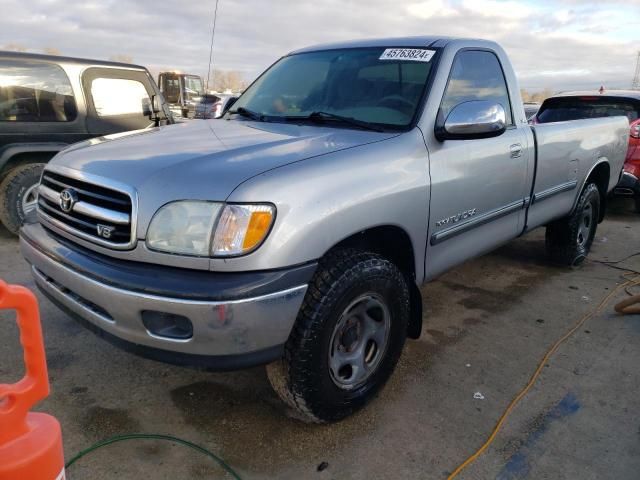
(238, 320)
(629, 185)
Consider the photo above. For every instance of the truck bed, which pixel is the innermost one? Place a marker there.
(566, 152)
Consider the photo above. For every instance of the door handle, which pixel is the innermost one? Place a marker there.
(516, 150)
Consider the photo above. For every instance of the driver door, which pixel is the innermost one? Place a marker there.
(478, 186)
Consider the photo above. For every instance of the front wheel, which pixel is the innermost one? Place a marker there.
(347, 339)
(19, 194)
(569, 239)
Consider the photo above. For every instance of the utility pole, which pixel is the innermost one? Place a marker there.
(635, 85)
(213, 33)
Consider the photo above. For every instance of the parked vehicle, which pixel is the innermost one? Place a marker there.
(213, 105)
(603, 103)
(48, 102)
(182, 91)
(297, 230)
(530, 109)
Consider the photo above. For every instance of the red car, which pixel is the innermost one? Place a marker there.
(602, 103)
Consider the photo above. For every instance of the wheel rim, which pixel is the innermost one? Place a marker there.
(586, 222)
(359, 341)
(30, 199)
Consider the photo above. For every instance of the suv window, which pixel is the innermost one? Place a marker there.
(576, 108)
(35, 92)
(476, 75)
(117, 96)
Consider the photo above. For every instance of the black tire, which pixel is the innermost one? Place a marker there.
(303, 378)
(637, 201)
(569, 239)
(18, 182)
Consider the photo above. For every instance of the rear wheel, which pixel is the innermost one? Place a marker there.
(569, 239)
(347, 338)
(19, 195)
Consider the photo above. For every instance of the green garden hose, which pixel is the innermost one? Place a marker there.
(152, 436)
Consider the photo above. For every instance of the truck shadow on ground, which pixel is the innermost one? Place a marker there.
(253, 427)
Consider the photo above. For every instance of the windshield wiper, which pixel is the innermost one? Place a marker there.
(324, 116)
(248, 113)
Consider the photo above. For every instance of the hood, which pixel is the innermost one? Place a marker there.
(203, 159)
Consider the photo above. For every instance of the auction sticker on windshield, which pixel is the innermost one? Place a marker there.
(414, 54)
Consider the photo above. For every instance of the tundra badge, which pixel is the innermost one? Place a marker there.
(456, 218)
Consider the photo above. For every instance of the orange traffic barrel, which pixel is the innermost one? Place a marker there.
(30, 443)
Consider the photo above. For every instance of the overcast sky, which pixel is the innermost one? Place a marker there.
(560, 44)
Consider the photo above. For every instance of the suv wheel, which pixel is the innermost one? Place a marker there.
(19, 195)
(569, 239)
(347, 339)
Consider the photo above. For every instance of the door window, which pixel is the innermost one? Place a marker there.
(35, 92)
(117, 96)
(476, 75)
(193, 87)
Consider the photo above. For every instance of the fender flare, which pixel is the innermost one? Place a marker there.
(600, 161)
(11, 150)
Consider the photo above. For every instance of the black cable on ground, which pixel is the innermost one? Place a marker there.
(621, 260)
(614, 263)
(153, 436)
(611, 265)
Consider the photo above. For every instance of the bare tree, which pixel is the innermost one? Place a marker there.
(122, 58)
(537, 97)
(222, 80)
(15, 47)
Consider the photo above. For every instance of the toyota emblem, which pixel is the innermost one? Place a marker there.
(68, 198)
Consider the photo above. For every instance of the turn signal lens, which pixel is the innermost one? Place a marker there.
(257, 230)
(241, 229)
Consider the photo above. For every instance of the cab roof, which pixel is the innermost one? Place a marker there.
(419, 41)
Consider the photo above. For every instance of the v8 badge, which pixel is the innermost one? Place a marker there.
(105, 231)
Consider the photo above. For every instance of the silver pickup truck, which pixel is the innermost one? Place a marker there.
(296, 230)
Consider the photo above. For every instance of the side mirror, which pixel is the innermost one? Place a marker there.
(151, 108)
(146, 108)
(471, 120)
(229, 104)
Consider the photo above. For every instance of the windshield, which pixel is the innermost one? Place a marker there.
(576, 108)
(370, 85)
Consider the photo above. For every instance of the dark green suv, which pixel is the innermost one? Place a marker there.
(48, 102)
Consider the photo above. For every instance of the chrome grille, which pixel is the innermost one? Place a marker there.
(99, 214)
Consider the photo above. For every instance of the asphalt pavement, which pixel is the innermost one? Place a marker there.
(487, 324)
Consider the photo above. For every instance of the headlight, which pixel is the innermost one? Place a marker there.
(183, 227)
(241, 229)
(189, 227)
